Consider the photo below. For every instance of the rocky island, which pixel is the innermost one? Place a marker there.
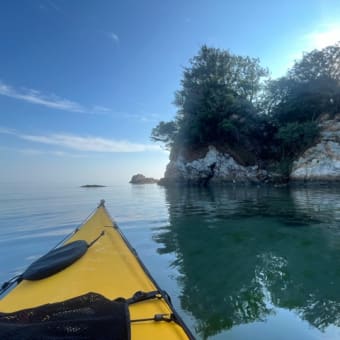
(141, 179)
(235, 125)
(319, 163)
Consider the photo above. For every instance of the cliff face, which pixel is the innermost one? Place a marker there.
(215, 166)
(319, 163)
(322, 161)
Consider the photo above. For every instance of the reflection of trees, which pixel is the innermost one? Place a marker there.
(240, 253)
(324, 200)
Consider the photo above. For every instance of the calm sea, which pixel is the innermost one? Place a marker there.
(239, 263)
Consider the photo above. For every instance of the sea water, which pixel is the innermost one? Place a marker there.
(238, 262)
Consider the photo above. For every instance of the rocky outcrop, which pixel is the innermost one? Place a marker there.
(322, 161)
(319, 163)
(215, 167)
(141, 179)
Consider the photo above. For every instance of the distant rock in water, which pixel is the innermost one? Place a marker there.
(141, 179)
(93, 186)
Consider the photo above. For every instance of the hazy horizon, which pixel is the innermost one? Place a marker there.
(83, 83)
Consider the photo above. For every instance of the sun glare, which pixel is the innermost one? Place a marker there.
(324, 37)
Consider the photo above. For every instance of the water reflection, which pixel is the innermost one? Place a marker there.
(242, 253)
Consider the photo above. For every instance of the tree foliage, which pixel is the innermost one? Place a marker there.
(225, 99)
(294, 137)
(296, 101)
(318, 64)
(164, 132)
(217, 100)
(310, 88)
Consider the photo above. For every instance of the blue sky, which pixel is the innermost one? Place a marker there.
(82, 83)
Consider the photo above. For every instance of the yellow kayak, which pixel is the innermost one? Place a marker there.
(109, 267)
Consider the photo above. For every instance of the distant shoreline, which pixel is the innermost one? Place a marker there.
(93, 186)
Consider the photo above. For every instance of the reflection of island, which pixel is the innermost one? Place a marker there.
(324, 200)
(244, 252)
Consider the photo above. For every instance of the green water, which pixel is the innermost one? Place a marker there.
(238, 262)
(257, 263)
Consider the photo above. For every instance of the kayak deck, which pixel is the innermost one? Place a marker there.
(109, 268)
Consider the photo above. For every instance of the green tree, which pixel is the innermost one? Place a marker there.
(310, 88)
(164, 132)
(318, 64)
(216, 102)
(225, 100)
(295, 137)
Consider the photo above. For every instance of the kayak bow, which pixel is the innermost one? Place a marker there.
(105, 264)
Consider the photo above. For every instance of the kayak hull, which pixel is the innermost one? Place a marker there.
(111, 268)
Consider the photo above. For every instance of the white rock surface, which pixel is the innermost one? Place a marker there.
(319, 163)
(322, 161)
(215, 166)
